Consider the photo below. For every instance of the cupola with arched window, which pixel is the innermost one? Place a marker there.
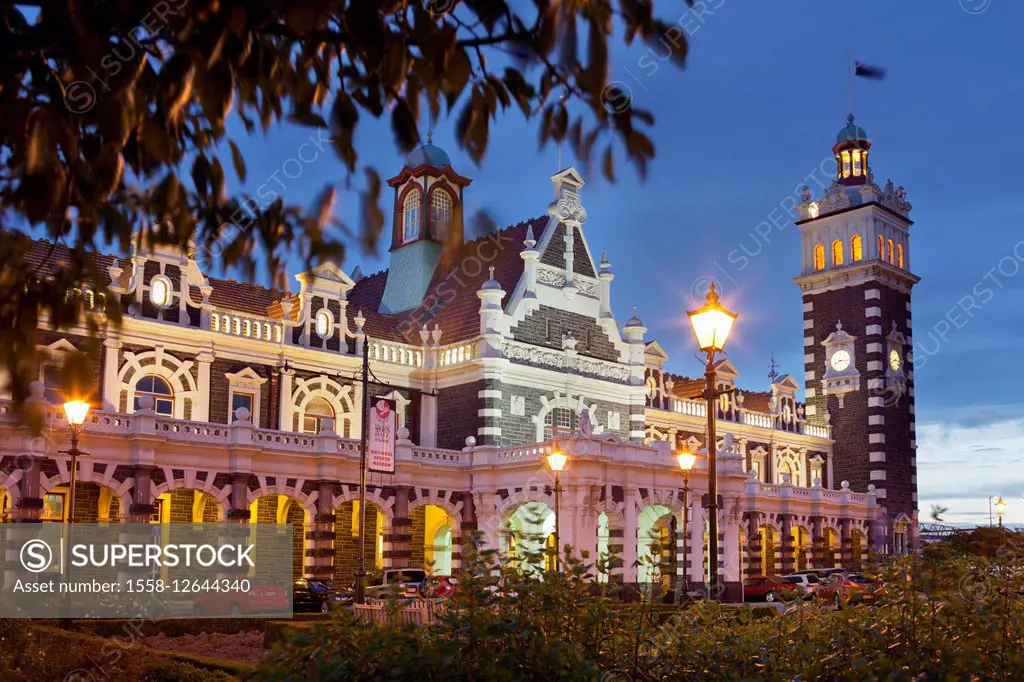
(851, 152)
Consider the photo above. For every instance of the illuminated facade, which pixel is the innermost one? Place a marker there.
(218, 400)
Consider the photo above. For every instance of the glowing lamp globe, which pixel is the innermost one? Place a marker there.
(557, 460)
(711, 323)
(1000, 506)
(686, 460)
(76, 411)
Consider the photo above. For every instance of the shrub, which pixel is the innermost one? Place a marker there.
(958, 620)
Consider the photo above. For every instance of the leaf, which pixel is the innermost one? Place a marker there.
(238, 160)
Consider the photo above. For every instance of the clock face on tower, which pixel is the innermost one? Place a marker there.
(894, 360)
(840, 360)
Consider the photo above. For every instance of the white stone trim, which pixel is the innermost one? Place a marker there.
(874, 348)
(876, 420)
(873, 311)
(808, 306)
(874, 365)
(489, 393)
(876, 438)
(808, 341)
(811, 410)
(166, 366)
(873, 329)
(809, 375)
(489, 412)
(872, 293)
(245, 381)
(877, 475)
(876, 456)
(876, 402)
(809, 324)
(810, 393)
(489, 431)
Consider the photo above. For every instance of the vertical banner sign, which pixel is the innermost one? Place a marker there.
(383, 424)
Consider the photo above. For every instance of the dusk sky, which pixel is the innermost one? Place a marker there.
(754, 114)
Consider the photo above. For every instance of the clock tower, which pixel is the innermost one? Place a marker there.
(856, 284)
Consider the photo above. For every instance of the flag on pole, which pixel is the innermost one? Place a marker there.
(867, 71)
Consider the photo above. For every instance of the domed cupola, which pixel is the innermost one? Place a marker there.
(851, 150)
(428, 154)
(427, 220)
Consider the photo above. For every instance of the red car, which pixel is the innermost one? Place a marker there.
(262, 598)
(767, 588)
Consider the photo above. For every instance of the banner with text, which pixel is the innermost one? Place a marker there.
(383, 424)
(142, 570)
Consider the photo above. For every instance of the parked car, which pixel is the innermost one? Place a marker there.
(767, 588)
(847, 588)
(318, 596)
(263, 597)
(805, 582)
(400, 582)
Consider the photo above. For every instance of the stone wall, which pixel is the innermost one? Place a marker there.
(457, 415)
(546, 325)
(521, 429)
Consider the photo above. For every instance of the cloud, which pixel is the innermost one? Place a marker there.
(962, 463)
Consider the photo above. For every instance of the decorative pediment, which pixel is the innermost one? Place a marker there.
(726, 370)
(787, 384)
(839, 336)
(246, 378)
(59, 347)
(326, 278)
(654, 354)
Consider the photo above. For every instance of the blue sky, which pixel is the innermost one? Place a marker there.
(754, 113)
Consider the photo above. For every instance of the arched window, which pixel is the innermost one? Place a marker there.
(846, 164)
(160, 291)
(560, 420)
(857, 248)
(856, 162)
(411, 216)
(317, 410)
(899, 255)
(159, 390)
(837, 252)
(324, 324)
(819, 257)
(785, 468)
(890, 251)
(440, 214)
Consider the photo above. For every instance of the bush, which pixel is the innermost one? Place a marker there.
(960, 620)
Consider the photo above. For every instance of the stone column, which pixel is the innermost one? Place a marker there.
(322, 564)
(754, 548)
(787, 554)
(239, 498)
(629, 536)
(201, 406)
(398, 537)
(285, 400)
(111, 384)
(846, 543)
(30, 502)
(142, 507)
(819, 547)
(467, 529)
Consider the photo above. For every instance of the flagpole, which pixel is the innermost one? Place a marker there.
(849, 85)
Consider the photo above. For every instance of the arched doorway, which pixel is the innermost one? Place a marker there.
(432, 537)
(656, 546)
(802, 547)
(830, 546)
(530, 537)
(348, 521)
(769, 548)
(279, 509)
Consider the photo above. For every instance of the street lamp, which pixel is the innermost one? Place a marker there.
(76, 412)
(711, 326)
(686, 460)
(1000, 510)
(556, 462)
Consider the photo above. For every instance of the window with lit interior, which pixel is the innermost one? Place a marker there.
(160, 291)
(411, 216)
(324, 324)
(890, 252)
(837, 252)
(857, 248)
(440, 214)
(317, 410)
(881, 247)
(819, 257)
(158, 389)
(899, 255)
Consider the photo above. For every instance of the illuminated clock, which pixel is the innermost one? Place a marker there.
(840, 360)
(894, 360)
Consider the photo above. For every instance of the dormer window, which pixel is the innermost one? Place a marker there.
(440, 214)
(160, 291)
(324, 323)
(411, 216)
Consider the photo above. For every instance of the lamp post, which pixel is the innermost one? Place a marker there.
(686, 460)
(76, 411)
(990, 498)
(556, 461)
(711, 326)
(1000, 510)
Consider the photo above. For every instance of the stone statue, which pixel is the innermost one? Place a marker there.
(586, 426)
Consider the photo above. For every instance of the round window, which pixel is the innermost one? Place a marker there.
(160, 291)
(324, 324)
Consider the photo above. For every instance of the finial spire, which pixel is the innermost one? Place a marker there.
(773, 369)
